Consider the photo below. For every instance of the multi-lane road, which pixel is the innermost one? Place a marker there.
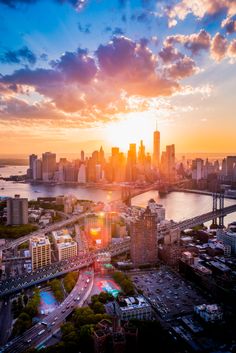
(15, 284)
(43, 330)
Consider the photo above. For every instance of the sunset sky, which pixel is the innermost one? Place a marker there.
(83, 73)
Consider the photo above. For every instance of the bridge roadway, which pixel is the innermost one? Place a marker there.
(15, 284)
(40, 333)
(206, 217)
(39, 232)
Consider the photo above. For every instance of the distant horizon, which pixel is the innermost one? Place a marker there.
(71, 155)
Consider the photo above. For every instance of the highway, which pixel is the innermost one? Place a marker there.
(43, 330)
(15, 284)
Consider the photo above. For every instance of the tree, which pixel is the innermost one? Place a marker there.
(25, 299)
(98, 308)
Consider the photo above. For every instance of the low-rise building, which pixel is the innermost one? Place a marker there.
(209, 313)
(228, 238)
(135, 307)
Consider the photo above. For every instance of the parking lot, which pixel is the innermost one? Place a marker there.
(169, 293)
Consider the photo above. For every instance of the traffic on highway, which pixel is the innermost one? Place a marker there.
(48, 327)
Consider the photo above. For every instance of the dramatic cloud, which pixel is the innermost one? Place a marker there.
(194, 42)
(23, 55)
(76, 67)
(132, 66)
(95, 88)
(219, 46)
(229, 24)
(183, 68)
(232, 49)
(169, 54)
(200, 8)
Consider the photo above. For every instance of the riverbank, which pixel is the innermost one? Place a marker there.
(201, 192)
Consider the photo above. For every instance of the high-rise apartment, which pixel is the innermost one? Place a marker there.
(143, 231)
(40, 251)
(17, 210)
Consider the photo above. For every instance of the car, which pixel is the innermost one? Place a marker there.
(28, 340)
(63, 311)
(41, 332)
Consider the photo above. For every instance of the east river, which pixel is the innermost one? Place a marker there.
(178, 205)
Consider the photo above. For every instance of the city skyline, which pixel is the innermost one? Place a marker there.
(101, 73)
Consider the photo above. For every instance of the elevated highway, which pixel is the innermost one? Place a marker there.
(15, 284)
(40, 333)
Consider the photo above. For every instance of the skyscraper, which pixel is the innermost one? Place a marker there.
(48, 165)
(156, 149)
(143, 231)
(37, 169)
(168, 163)
(141, 153)
(131, 163)
(32, 159)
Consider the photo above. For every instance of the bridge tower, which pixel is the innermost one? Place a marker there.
(126, 196)
(221, 218)
(214, 209)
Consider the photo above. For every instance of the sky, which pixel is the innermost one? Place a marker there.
(77, 74)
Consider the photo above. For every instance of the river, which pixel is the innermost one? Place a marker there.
(178, 205)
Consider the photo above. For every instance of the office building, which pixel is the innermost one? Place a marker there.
(131, 163)
(82, 156)
(228, 238)
(32, 159)
(141, 154)
(156, 149)
(82, 174)
(65, 246)
(231, 168)
(198, 169)
(168, 163)
(143, 232)
(48, 165)
(40, 251)
(17, 210)
(37, 169)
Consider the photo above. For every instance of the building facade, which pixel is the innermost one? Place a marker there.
(17, 211)
(143, 232)
(40, 251)
(65, 246)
